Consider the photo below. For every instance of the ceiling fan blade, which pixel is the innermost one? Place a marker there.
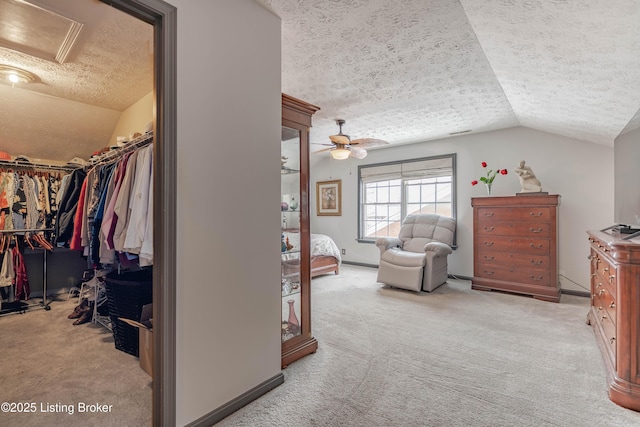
(340, 139)
(358, 153)
(324, 145)
(323, 150)
(368, 142)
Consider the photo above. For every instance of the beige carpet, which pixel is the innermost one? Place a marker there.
(455, 357)
(63, 368)
(386, 357)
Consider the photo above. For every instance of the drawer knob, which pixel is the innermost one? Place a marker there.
(536, 262)
(489, 228)
(593, 274)
(488, 257)
(602, 291)
(611, 340)
(535, 213)
(535, 230)
(488, 214)
(488, 243)
(598, 285)
(488, 272)
(539, 246)
(536, 278)
(599, 308)
(612, 278)
(604, 317)
(612, 305)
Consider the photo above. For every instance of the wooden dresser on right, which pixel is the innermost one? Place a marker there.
(615, 313)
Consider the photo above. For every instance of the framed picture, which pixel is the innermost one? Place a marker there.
(329, 197)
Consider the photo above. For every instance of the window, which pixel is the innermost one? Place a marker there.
(390, 191)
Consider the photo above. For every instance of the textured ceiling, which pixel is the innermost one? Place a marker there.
(403, 71)
(415, 70)
(74, 106)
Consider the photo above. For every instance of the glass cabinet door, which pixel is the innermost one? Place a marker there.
(295, 258)
(291, 234)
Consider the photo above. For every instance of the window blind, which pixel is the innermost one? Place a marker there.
(416, 169)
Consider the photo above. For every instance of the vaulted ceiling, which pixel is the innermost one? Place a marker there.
(403, 71)
(415, 70)
(91, 62)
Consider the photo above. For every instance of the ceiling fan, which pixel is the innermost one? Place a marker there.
(343, 147)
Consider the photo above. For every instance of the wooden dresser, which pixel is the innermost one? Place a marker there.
(515, 246)
(615, 313)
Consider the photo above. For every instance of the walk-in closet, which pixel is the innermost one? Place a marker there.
(76, 213)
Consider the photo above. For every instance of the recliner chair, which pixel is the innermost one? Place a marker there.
(417, 259)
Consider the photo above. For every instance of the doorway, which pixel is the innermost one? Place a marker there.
(162, 17)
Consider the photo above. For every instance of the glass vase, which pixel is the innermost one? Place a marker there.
(294, 324)
(488, 185)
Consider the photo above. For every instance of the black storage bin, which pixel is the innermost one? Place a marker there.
(126, 294)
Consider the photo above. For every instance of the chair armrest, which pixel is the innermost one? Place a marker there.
(438, 248)
(386, 243)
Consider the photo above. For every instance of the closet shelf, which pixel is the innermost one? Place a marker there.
(115, 153)
(35, 165)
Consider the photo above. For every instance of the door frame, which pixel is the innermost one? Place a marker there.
(163, 17)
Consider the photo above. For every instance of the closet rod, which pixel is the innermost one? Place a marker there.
(114, 153)
(21, 230)
(31, 165)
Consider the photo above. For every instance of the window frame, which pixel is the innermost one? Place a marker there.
(403, 203)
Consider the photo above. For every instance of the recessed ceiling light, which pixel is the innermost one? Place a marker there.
(13, 75)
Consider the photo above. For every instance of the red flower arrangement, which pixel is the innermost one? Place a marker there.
(490, 175)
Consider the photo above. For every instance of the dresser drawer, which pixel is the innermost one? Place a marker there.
(512, 228)
(605, 270)
(609, 331)
(542, 262)
(513, 274)
(514, 245)
(600, 281)
(604, 302)
(537, 214)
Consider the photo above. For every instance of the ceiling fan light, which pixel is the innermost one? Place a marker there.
(340, 153)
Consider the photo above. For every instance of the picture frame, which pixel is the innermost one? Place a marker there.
(329, 198)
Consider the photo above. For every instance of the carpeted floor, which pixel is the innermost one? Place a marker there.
(455, 357)
(59, 367)
(386, 357)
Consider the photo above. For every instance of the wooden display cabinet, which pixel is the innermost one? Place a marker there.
(297, 340)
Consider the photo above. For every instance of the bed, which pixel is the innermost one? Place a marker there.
(325, 256)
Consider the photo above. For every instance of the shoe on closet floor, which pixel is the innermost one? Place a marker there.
(81, 308)
(84, 318)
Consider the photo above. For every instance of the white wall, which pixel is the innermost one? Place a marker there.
(228, 221)
(580, 172)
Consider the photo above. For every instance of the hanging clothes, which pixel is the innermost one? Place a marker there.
(121, 207)
(114, 218)
(7, 272)
(139, 203)
(76, 239)
(22, 282)
(68, 205)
